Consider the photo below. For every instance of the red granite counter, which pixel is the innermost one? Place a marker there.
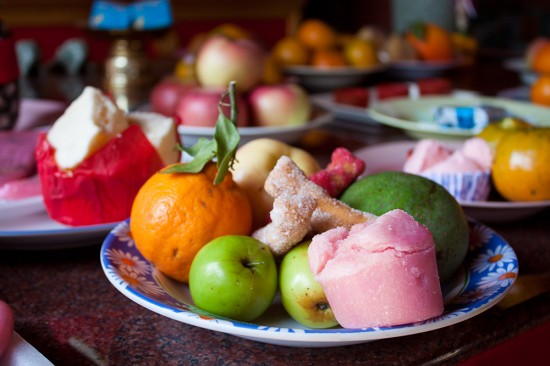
(69, 311)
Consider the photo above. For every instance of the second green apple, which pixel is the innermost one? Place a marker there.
(302, 296)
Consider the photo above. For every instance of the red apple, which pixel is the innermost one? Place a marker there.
(166, 94)
(279, 105)
(222, 59)
(199, 107)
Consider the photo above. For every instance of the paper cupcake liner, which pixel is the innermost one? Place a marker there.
(474, 186)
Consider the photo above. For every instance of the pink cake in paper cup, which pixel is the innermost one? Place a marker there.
(378, 274)
(465, 172)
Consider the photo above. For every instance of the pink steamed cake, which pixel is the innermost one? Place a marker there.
(378, 274)
(464, 172)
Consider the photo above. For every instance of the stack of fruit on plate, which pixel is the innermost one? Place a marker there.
(537, 58)
(238, 224)
(507, 158)
(521, 151)
(230, 53)
(319, 45)
(427, 42)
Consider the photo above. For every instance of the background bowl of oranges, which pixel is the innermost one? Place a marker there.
(322, 59)
(318, 80)
(427, 50)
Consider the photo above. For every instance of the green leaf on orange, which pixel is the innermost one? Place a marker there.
(223, 147)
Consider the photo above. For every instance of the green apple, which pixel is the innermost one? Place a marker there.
(234, 276)
(302, 296)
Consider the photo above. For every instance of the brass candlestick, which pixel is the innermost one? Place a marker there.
(127, 70)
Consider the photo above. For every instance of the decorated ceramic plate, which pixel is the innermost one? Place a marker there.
(412, 70)
(487, 274)
(318, 79)
(415, 116)
(522, 93)
(526, 75)
(360, 114)
(39, 232)
(392, 155)
(289, 134)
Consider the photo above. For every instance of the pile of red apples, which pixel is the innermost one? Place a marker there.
(222, 59)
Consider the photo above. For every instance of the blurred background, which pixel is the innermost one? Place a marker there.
(500, 26)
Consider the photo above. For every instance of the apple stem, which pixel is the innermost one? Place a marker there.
(232, 101)
(252, 264)
(322, 306)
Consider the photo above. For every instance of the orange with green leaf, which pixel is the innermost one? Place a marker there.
(186, 205)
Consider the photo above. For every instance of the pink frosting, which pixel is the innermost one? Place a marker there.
(432, 156)
(426, 153)
(456, 163)
(378, 274)
(479, 151)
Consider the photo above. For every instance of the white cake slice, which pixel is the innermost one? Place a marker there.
(161, 133)
(85, 126)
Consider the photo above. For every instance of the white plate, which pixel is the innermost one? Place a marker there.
(526, 75)
(34, 113)
(360, 114)
(318, 79)
(40, 232)
(478, 286)
(392, 155)
(413, 70)
(522, 93)
(289, 134)
(12, 209)
(414, 116)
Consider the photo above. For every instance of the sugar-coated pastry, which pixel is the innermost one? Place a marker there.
(313, 203)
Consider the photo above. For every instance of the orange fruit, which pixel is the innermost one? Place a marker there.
(175, 215)
(520, 170)
(232, 31)
(540, 90)
(316, 34)
(328, 59)
(541, 58)
(430, 41)
(272, 71)
(185, 68)
(494, 131)
(289, 51)
(360, 53)
(466, 46)
(533, 48)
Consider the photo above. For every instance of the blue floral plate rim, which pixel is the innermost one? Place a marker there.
(486, 276)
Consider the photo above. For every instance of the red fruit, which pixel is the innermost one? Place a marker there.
(343, 169)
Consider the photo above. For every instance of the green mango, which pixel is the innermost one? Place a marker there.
(428, 202)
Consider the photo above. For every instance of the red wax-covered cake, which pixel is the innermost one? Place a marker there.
(94, 159)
